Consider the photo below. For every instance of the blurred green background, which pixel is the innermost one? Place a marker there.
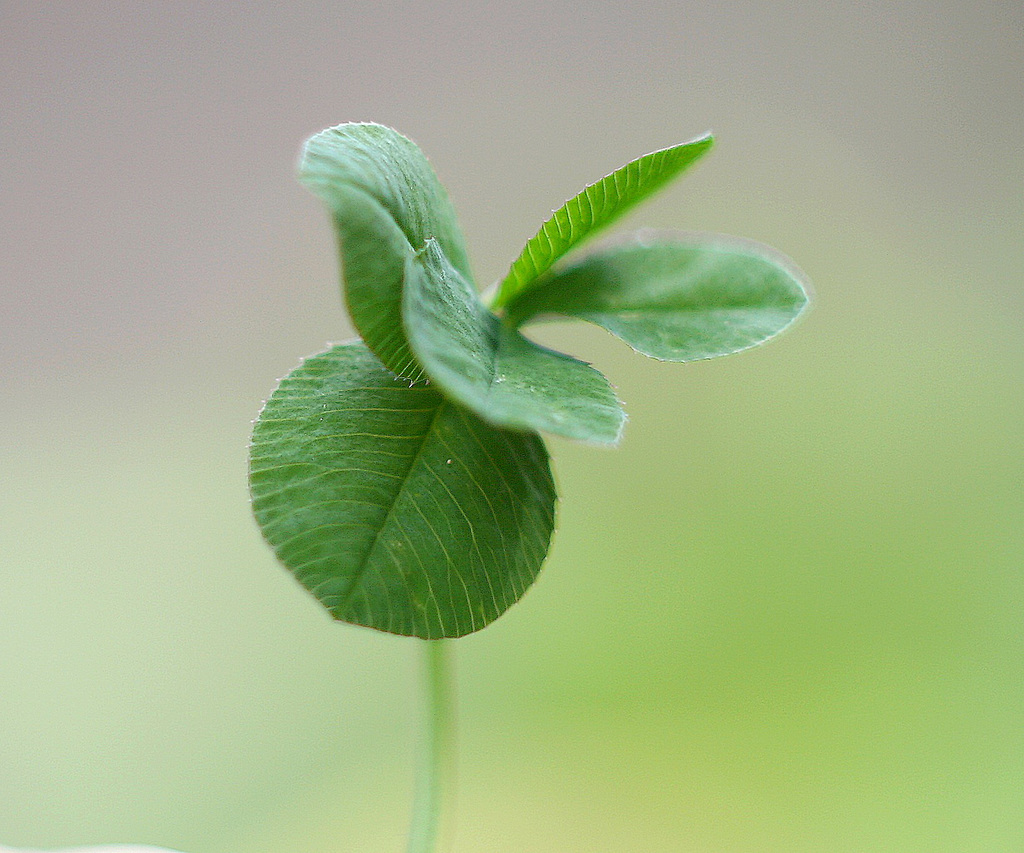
(786, 615)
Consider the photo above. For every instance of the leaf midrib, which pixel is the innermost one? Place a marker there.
(364, 565)
(666, 309)
(661, 309)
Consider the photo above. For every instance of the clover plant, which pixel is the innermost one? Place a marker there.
(402, 478)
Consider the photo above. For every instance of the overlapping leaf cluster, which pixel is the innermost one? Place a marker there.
(402, 478)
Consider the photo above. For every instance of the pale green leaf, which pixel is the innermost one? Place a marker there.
(488, 366)
(396, 508)
(678, 299)
(386, 202)
(597, 206)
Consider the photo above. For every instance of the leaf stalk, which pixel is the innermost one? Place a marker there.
(434, 776)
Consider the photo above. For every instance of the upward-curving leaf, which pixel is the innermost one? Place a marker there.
(396, 508)
(386, 202)
(598, 205)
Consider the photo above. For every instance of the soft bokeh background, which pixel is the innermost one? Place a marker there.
(786, 615)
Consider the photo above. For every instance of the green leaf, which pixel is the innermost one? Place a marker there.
(597, 206)
(396, 508)
(678, 300)
(386, 202)
(491, 368)
(423, 319)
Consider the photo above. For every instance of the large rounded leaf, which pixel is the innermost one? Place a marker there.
(678, 299)
(397, 509)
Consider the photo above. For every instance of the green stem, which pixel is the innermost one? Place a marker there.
(436, 751)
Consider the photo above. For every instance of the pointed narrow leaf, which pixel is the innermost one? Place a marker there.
(489, 367)
(678, 300)
(598, 205)
(397, 509)
(385, 201)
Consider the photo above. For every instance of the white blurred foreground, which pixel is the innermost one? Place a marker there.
(109, 848)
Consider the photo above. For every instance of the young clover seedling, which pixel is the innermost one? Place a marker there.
(402, 478)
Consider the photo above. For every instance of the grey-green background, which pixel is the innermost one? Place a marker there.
(786, 615)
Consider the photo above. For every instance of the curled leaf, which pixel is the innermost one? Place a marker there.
(385, 201)
(488, 366)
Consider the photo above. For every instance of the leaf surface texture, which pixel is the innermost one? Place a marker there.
(386, 202)
(487, 365)
(677, 300)
(396, 508)
(594, 208)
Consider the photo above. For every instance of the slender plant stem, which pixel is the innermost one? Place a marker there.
(436, 757)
